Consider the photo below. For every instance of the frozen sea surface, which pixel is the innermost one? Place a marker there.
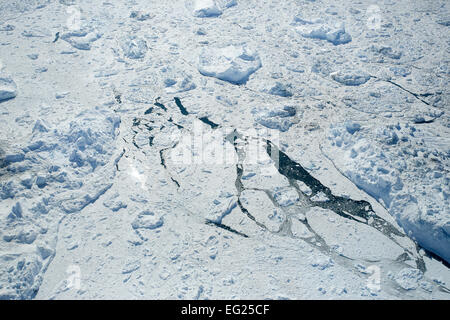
(224, 149)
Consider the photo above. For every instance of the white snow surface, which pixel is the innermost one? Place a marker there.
(232, 63)
(394, 164)
(8, 88)
(335, 34)
(206, 8)
(224, 149)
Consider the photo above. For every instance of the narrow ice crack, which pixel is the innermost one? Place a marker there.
(225, 227)
(415, 95)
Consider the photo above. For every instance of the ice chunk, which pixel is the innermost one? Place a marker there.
(25, 234)
(280, 89)
(409, 278)
(44, 251)
(134, 47)
(40, 126)
(61, 95)
(114, 204)
(275, 117)
(232, 63)
(352, 127)
(336, 34)
(387, 135)
(8, 88)
(179, 83)
(147, 220)
(14, 157)
(206, 8)
(350, 77)
(81, 40)
(16, 211)
(41, 181)
(139, 15)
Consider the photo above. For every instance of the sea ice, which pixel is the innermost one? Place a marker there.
(350, 77)
(335, 34)
(275, 117)
(388, 162)
(134, 47)
(206, 8)
(147, 220)
(8, 88)
(409, 278)
(81, 40)
(234, 64)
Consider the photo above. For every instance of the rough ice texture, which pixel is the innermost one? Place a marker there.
(275, 117)
(56, 163)
(108, 195)
(206, 8)
(393, 165)
(8, 88)
(408, 278)
(234, 64)
(147, 220)
(335, 34)
(134, 47)
(350, 77)
(227, 3)
(209, 8)
(81, 39)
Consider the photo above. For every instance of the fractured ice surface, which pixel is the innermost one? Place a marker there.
(209, 8)
(206, 8)
(381, 166)
(234, 64)
(350, 78)
(224, 149)
(335, 34)
(8, 88)
(81, 39)
(134, 47)
(275, 117)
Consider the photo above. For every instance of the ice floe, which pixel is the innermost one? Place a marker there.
(350, 77)
(234, 64)
(8, 88)
(134, 47)
(335, 34)
(81, 39)
(276, 117)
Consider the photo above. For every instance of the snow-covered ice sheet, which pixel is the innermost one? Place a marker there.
(207, 149)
